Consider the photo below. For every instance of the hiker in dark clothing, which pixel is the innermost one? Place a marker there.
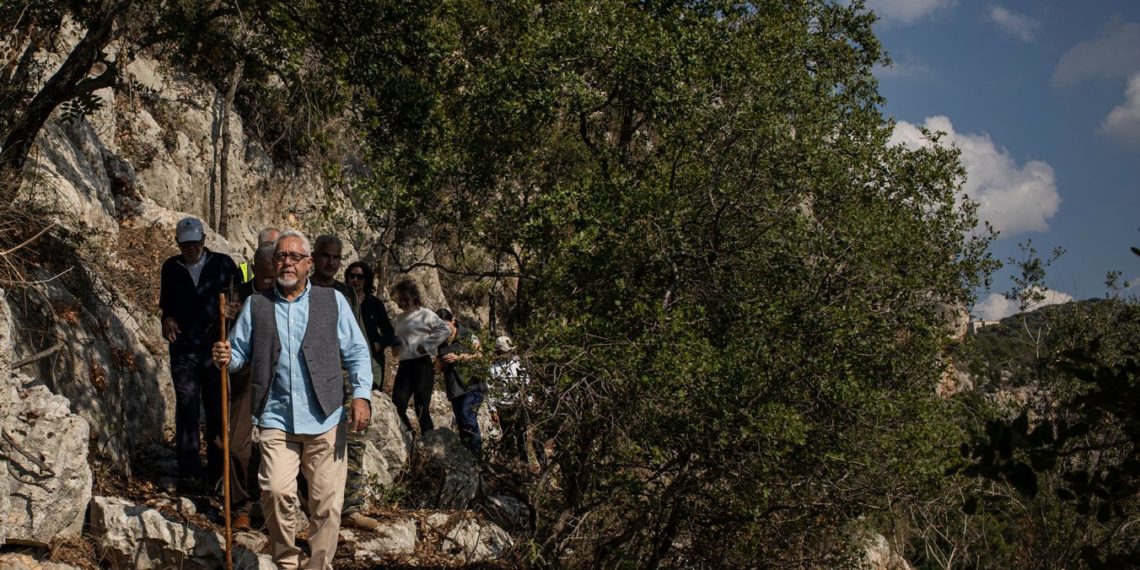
(374, 317)
(460, 359)
(188, 297)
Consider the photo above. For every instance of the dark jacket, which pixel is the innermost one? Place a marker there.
(195, 309)
(462, 378)
(377, 326)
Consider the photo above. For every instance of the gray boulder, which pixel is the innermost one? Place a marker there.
(390, 538)
(446, 476)
(46, 479)
(388, 447)
(507, 511)
(137, 537)
(471, 539)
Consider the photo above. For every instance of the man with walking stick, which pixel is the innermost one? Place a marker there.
(295, 338)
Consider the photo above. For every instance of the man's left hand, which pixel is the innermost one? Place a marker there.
(360, 414)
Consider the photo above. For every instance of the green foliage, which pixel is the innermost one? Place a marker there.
(726, 277)
(79, 107)
(1071, 453)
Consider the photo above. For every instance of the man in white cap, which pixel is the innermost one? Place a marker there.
(510, 401)
(188, 298)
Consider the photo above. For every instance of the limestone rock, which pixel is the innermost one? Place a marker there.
(507, 511)
(878, 555)
(390, 538)
(186, 506)
(137, 537)
(388, 447)
(954, 380)
(445, 473)
(475, 541)
(252, 540)
(48, 479)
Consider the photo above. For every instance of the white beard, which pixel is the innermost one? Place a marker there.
(288, 281)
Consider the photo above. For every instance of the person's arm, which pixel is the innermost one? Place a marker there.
(368, 310)
(354, 350)
(357, 359)
(438, 331)
(241, 337)
(167, 300)
(165, 295)
(387, 331)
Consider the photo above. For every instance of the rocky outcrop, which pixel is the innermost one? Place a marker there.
(388, 446)
(507, 511)
(137, 537)
(878, 555)
(49, 481)
(445, 471)
(470, 540)
(116, 181)
(45, 482)
(391, 538)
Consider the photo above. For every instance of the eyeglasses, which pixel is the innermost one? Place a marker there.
(281, 256)
(354, 276)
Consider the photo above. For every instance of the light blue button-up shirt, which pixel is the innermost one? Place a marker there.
(292, 405)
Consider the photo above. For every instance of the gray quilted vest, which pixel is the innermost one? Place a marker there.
(320, 348)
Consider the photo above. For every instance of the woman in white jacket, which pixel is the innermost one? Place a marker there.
(420, 332)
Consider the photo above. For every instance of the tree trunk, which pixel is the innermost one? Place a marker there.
(68, 82)
(227, 138)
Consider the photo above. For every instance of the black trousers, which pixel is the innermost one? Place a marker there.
(415, 377)
(197, 382)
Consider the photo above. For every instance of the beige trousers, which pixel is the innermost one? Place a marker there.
(322, 458)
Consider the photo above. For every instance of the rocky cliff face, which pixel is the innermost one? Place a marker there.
(115, 183)
(92, 380)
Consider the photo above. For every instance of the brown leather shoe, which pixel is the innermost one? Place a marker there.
(360, 521)
(241, 522)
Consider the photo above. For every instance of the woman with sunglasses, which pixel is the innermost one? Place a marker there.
(374, 317)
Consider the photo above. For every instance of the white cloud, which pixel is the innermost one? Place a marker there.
(997, 307)
(906, 11)
(1017, 25)
(1123, 121)
(1115, 53)
(1013, 199)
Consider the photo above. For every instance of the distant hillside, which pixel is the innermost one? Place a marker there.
(1010, 343)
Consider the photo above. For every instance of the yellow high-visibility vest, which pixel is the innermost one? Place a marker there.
(246, 271)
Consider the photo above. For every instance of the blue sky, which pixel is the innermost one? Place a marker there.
(1043, 98)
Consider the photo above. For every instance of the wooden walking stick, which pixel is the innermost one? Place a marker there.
(226, 438)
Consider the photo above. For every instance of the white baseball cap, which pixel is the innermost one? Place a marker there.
(504, 344)
(189, 229)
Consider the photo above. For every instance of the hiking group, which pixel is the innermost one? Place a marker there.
(304, 353)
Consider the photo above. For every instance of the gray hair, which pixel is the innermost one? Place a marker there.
(306, 247)
(328, 239)
(264, 254)
(263, 235)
